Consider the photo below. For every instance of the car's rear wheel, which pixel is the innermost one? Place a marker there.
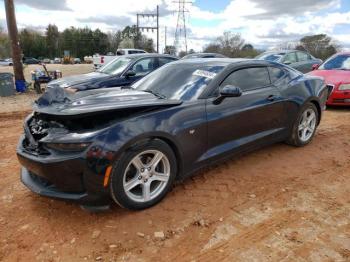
(143, 175)
(305, 126)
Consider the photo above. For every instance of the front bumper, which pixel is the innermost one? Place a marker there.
(339, 98)
(66, 177)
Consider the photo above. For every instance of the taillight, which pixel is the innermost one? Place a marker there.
(102, 59)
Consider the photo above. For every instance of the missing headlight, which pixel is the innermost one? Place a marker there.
(68, 147)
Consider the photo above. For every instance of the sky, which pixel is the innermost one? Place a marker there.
(263, 23)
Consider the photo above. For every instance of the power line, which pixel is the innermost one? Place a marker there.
(181, 30)
(152, 27)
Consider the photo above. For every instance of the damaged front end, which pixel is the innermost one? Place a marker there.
(63, 151)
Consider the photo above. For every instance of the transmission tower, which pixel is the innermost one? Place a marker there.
(181, 31)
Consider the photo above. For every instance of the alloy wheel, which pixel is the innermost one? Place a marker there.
(307, 125)
(146, 176)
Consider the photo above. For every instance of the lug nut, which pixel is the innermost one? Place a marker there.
(142, 169)
(140, 177)
(149, 169)
(145, 180)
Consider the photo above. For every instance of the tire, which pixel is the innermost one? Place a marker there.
(37, 88)
(297, 137)
(131, 179)
(10, 64)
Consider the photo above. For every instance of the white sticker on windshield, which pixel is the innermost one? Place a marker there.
(204, 73)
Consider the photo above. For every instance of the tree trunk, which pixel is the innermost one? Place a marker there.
(13, 33)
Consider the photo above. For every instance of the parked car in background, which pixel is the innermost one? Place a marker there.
(76, 60)
(100, 60)
(122, 71)
(46, 60)
(57, 60)
(336, 73)
(30, 61)
(129, 145)
(299, 60)
(6, 62)
(203, 55)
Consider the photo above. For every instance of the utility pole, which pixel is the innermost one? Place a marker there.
(13, 33)
(152, 27)
(165, 35)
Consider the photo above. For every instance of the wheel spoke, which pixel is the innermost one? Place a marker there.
(304, 133)
(146, 191)
(300, 128)
(137, 163)
(311, 118)
(155, 160)
(132, 184)
(160, 177)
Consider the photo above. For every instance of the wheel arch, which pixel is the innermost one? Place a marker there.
(166, 138)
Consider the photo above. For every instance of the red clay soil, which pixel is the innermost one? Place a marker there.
(277, 204)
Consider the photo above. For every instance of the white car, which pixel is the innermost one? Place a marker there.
(6, 62)
(99, 60)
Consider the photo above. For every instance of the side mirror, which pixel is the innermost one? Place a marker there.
(287, 62)
(315, 66)
(228, 91)
(130, 73)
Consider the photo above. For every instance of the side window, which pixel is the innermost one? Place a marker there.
(143, 66)
(248, 78)
(164, 60)
(290, 58)
(276, 74)
(303, 56)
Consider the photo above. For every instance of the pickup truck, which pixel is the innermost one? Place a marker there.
(99, 60)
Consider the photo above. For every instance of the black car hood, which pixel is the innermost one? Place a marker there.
(80, 79)
(59, 102)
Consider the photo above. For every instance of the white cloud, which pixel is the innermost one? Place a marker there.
(261, 22)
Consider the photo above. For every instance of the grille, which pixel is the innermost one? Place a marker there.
(330, 90)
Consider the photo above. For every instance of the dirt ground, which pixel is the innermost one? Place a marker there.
(20, 101)
(277, 204)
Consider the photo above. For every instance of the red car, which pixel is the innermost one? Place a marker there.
(336, 73)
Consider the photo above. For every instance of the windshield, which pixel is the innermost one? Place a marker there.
(116, 66)
(174, 81)
(340, 62)
(270, 57)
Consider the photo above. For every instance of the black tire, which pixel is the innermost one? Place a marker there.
(294, 138)
(10, 64)
(117, 191)
(37, 88)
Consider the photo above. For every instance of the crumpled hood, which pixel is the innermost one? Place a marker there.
(333, 77)
(79, 79)
(96, 101)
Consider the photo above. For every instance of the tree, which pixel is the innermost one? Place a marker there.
(52, 40)
(5, 47)
(320, 46)
(231, 45)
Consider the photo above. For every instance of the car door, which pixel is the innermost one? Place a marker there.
(243, 122)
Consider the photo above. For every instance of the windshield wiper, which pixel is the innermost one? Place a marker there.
(155, 93)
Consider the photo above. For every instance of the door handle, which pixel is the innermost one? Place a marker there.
(271, 97)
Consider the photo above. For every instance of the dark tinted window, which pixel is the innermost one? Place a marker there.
(276, 74)
(248, 78)
(165, 60)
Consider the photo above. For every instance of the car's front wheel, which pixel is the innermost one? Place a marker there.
(143, 175)
(305, 126)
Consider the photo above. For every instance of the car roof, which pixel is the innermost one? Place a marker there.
(145, 55)
(212, 61)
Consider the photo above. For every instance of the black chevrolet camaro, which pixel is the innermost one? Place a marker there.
(130, 144)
